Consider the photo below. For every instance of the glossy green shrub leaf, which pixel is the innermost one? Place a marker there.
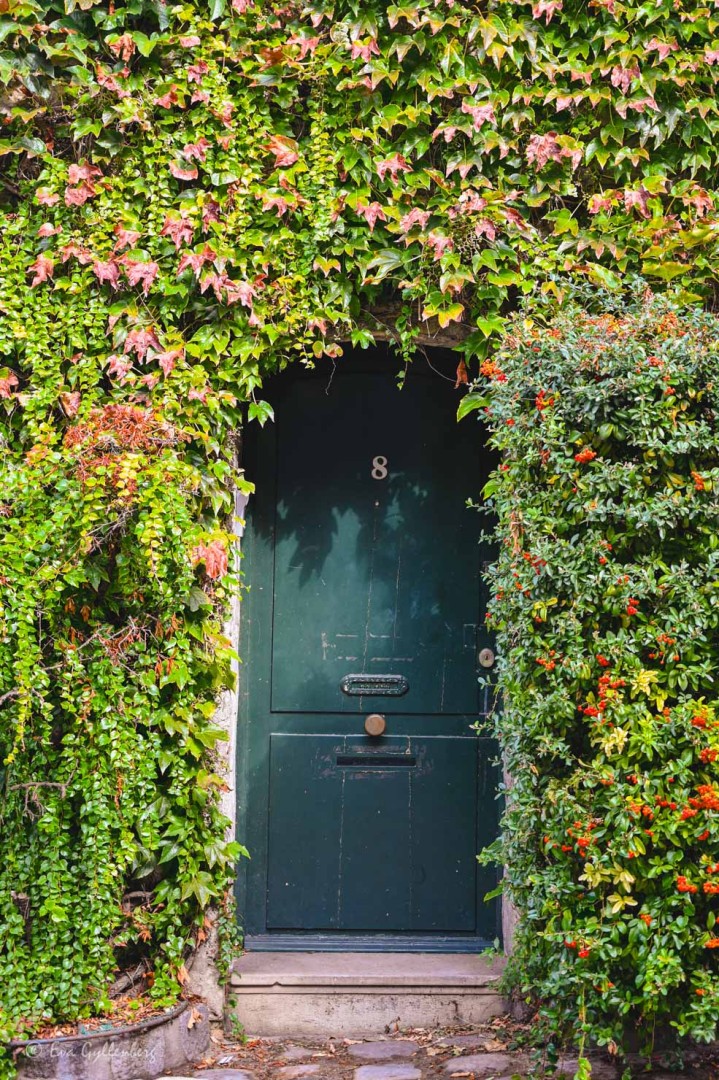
(607, 620)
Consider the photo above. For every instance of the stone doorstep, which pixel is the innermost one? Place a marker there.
(343, 1013)
(400, 972)
(409, 990)
(365, 991)
(361, 994)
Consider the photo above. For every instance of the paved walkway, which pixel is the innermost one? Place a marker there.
(489, 1052)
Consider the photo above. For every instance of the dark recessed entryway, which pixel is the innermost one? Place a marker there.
(365, 613)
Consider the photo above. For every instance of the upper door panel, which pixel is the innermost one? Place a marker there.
(377, 558)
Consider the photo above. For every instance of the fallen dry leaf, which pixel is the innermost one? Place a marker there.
(194, 1018)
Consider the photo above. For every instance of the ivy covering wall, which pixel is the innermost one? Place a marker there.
(195, 195)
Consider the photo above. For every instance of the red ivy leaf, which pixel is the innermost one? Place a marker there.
(276, 202)
(661, 47)
(414, 217)
(213, 555)
(196, 71)
(485, 227)
(76, 251)
(119, 366)
(123, 47)
(78, 196)
(125, 237)
(46, 197)
(639, 200)
(440, 243)
(701, 200)
(194, 260)
(371, 213)
(239, 290)
(42, 268)
(284, 149)
(7, 384)
(197, 150)
(108, 82)
(639, 105)
(178, 228)
(306, 44)
(210, 213)
(140, 273)
(622, 77)
(546, 7)
(167, 359)
(392, 165)
(167, 100)
(107, 272)
(77, 173)
(480, 113)
(544, 148)
(365, 49)
(140, 340)
(183, 174)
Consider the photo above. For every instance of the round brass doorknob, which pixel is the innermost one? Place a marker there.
(375, 724)
(486, 658)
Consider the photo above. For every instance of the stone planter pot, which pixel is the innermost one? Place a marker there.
(142, 1051)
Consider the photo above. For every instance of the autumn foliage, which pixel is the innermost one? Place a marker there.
(194, 195)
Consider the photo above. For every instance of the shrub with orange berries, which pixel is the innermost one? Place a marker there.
(610, 718)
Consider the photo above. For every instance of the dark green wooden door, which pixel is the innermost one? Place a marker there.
(363, 563)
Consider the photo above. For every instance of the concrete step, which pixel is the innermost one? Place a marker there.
(352, 994)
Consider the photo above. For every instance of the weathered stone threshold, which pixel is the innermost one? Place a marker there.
(347, 994)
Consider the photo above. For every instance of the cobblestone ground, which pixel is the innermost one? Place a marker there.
(491, 1052)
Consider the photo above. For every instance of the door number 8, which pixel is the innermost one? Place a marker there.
(379, 467)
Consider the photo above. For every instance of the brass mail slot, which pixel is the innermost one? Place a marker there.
(376, 761)
(374, 685)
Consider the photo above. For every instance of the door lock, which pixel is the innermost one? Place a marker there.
(486, 658)
(375, 724)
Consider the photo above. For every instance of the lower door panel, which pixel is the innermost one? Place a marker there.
(373, 835)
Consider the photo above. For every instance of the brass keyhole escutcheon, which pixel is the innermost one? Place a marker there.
(375, 724)
(486, 658)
